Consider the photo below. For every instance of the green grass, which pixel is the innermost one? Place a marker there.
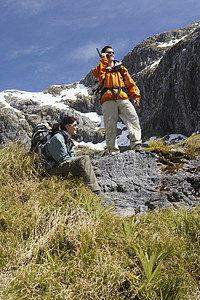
(58, 241)
(172, 157)
(190, 146)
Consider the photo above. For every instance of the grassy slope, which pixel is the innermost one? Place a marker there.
(58, 241)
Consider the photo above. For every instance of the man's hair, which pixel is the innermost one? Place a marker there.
(65, 121)
(105, 48)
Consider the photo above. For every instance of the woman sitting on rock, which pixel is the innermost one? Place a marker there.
(63, 158)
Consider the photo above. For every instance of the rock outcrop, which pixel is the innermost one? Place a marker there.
(170, 90)
(138, 182)
(166, 69)
(18, 119)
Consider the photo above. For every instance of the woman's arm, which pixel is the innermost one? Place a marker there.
(57, 147)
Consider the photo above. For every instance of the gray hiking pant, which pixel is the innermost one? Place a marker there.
(112, 109)
(78, 166)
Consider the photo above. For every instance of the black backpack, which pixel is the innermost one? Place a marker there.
(40, 135)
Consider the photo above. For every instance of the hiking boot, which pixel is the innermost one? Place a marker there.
(110, 152)
(114, 152)
(137, 148)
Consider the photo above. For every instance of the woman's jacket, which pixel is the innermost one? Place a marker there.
(59, 148)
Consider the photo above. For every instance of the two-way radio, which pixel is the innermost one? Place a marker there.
(107, 55)
(98, 52)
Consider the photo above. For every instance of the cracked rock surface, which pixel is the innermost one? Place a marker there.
(135, 183)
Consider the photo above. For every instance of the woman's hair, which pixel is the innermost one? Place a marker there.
(105, 48)
(61, 125)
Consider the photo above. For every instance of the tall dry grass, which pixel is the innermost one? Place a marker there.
(59, 241)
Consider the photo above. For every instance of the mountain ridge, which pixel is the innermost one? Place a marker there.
(164, 66)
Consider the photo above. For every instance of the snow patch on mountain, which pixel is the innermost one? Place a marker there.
(169, 43)
(45, 98)
(74, 91)
(71, 92)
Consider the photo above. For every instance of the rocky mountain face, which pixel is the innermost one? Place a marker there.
(166, 69)
(144, 184)
(19, 116)
(170, 86)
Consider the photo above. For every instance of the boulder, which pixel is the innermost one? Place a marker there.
(136, 182)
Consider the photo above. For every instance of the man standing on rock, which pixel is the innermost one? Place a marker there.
(117, 87)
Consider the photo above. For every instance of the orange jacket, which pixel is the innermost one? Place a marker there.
(110, 79)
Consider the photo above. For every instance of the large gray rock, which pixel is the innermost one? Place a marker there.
(135, 183)
(171, 92)
(154, 48)
(166, 69)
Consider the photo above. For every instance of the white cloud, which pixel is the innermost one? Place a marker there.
(30, 50)
(120, 44)
(30, 6)
(45, 68)
(86, 52)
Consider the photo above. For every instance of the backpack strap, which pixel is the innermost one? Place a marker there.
(123, 78)
(100, 90)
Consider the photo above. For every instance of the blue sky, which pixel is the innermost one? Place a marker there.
(47, 42)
